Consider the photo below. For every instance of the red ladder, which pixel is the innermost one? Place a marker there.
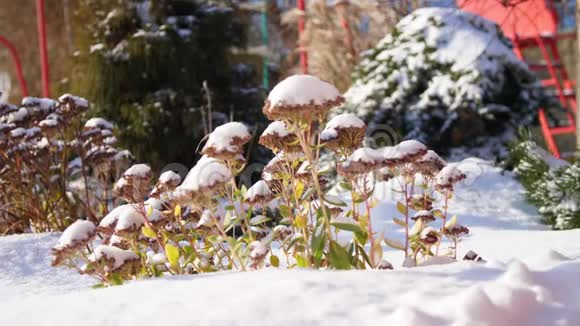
(534, 24)
(560, 84)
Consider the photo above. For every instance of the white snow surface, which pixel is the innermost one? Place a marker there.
(302, 90)
(530, 278)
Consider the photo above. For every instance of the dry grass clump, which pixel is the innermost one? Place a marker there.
(55, 167)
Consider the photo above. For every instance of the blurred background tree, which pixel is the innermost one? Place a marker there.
(159, 69)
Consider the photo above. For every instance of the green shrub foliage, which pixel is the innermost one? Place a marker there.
(552, 185)
(143, 64)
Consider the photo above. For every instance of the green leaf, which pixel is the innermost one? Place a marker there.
(346, 225)
(338, 256)
(259, 219)
(301, 261)
(285, 211)
(148, 232)
(317, 240)
(336, 201)
(274, 261)
(299, 189)
(172, 253)
(345, 186)
(395, 244)
(451, 222)
(401, 208)
(116, 279)
(399, 222)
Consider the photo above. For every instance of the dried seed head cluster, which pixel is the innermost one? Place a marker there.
(206, 222)
(226, 141)
(45, 144)
(344, 133)
(278, 138)
(300, 97)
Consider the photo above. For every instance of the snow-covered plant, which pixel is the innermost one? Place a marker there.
(209, 223)
(552, 185)
(55, 167)
(447, 78)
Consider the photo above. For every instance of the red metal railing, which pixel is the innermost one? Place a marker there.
(17, 65)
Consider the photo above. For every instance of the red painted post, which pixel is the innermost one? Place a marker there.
(41, 25)
(17, 65)
(301, 25)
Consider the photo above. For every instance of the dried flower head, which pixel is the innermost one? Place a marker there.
(76, 236)
(167, 181)
(114, 258)
(430, 164)
(457, 230)
(361, 161)
(226, 141)
(411, 150)
(447, 177)
(299, 97)
(207, 176)
(344, 132)
(277, 137)
(425, 216)
(429, 236)
(259, 194)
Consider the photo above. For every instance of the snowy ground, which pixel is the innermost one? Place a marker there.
(531, 278)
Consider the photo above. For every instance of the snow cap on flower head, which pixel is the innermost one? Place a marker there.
(277, 137)
(226, 141)
(167, 181)
(447, 177)
(259, 193)
(77, 235)
(207, 176)
(410, 150)
(346, 131)
(430, 163)
(301, 95)
(429, 236)
(114, 258)
(361, 161)
(457, 230)
(424, 215)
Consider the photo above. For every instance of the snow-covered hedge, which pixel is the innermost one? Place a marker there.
(552, 185)
(447, 78)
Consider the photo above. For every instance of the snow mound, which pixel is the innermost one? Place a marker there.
(98, 123)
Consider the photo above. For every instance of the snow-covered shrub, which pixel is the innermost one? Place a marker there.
(447, 78)
(552, 185)
(208, 223)
(55, 167)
